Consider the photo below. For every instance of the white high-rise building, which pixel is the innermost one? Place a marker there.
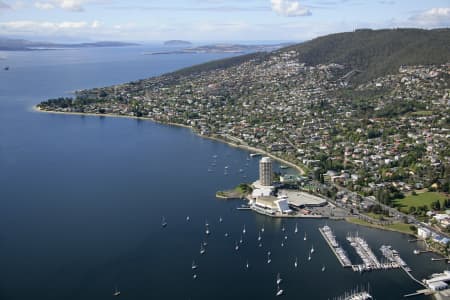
(265, 171)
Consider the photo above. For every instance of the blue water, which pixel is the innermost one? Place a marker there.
(81, 201)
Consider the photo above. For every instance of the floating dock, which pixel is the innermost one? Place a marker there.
(334, 246)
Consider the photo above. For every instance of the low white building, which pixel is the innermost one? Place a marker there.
(423, 233)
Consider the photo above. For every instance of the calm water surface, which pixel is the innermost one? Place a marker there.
(82, 200)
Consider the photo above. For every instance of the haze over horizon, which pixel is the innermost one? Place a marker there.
(205, 20)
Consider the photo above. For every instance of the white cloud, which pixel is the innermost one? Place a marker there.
(44, 5)
(434, 17)
(70, 5)
(40, 27)
(289, 8)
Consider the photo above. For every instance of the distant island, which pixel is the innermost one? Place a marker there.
(177, 43)
(7, 44)
(223, 48)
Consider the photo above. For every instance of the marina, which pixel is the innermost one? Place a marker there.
(334, 246)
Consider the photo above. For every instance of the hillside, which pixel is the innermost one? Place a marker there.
(375, 53)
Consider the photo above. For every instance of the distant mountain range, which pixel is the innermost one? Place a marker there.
(371, 53)
(177, 43)
(7, 44)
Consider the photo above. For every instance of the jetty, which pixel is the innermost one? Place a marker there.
(370, 261)
(340, 253)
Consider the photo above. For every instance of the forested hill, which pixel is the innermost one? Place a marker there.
(373, 52)
(377, 52)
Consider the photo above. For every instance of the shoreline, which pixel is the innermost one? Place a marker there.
(370, 225)
(35, 108)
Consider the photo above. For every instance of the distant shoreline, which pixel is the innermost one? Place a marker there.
(35, 108)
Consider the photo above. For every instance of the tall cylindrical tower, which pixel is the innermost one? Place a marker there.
(265, 171)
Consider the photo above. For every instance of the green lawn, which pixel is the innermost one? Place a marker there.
(399, 227)
(421, 199)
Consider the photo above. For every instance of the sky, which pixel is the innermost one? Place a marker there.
(211, 20)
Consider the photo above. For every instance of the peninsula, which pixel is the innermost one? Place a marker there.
(7, 44)
(364, 113)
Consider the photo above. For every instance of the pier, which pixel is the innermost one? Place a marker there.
(370, 261)
(334, 246)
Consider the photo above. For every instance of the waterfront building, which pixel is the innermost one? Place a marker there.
(423, 232)
(265, 171)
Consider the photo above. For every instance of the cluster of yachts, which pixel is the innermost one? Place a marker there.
(340, 253)
(238, 243)
(213, 164)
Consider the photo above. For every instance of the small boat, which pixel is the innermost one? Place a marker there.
(282, 244)
(269, 260)
(194, 265)
(206, 223)
(284, 167)
(188, 218)
(163, 222)
(255, 154)
(304, 238)
(285, 237)
(260, 245)
(194, 276)
(279, 280)
(279, 291)
(296, 228)
(236, 247)
(207, 231)
(296, 262)
(247, 265)
(416, 251)
(6, 69)
(241, 240)
(323, 268)
(309, 257)
(205, 243)
(283, 229)
(202, 249)
(259, 236)
(116, 292)
(262, 229)
(226, 234)
(243, 230)
(220, 220)
(312, 249)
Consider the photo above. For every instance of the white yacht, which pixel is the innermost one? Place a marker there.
(269, 260)
(309, 257)
(220, 220)
(194, 265)
(188, 218)
(279, 280)
(259, 236)
(279, 291)
(202, 249)
(247, 265)
(163, 222)
(312, 249)
(296, 262)
(304, 238)
(243, 230)
(236, 247)
(323, 268)
(262, 229)
(296, 228)
(116, 292)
